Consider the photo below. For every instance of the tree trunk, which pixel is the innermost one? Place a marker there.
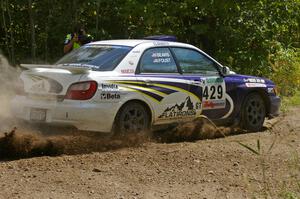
(74, 11)
(12, 39)
(97, 21)
(32, 30)
(5, 28)
(47, 31)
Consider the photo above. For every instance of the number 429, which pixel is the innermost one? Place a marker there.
(213, 92)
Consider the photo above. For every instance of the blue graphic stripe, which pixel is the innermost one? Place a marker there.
(196, 90)
(163, 90)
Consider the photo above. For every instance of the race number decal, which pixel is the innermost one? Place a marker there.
(213, 92)
(213, 95)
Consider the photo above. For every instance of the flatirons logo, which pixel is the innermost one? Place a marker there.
(184, 109)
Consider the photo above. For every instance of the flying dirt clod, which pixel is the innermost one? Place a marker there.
(199, 128)
(14, 145)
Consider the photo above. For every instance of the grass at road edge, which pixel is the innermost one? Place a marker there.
(287, 102)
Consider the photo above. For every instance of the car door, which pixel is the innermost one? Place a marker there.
(206, 84)
(162, 86)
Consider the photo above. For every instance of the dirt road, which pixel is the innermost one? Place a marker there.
(216, 168)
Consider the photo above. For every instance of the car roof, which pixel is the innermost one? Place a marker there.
(135, 42)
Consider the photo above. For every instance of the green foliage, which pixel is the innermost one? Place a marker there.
(294, 100)
(285, 65)
(246, 35)
(290, 101)
(289, 195)
(253, 150)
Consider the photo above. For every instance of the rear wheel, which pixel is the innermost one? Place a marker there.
(133, 117)
(253, 113)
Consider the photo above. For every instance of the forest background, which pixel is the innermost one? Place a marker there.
(256, 37)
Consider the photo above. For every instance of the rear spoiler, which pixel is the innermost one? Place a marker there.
(72, 69)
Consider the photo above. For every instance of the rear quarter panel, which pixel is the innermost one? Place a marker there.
(111, 90)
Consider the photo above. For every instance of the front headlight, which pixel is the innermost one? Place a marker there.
(273, 90)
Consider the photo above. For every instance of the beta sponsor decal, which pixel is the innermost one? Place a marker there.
(110, 96)
(184, 109)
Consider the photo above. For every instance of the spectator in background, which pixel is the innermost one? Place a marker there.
(76, 39)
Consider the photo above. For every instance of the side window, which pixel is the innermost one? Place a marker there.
(192, 61)
(158, 60)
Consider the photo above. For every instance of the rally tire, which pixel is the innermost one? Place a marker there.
(133, 117)
(253, 113)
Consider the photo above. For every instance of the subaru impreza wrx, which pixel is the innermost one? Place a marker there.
(133, 85)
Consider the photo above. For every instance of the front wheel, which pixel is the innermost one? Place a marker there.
(253, 113)
(133, 117)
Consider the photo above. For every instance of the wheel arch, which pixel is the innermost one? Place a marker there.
(253, 120)
(263, 94)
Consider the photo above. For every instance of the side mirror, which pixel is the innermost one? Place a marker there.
(226, 70)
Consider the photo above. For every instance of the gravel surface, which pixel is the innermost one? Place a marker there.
(214, 168)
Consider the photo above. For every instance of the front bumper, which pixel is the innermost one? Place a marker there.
(275, 103)
(88, 115)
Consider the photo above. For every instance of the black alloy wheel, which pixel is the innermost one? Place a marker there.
(253, 113)
(133, 117)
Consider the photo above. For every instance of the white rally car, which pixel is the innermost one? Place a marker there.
(133, 85)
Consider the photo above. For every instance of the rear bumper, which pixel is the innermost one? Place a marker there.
(275, 103)
(87, 116)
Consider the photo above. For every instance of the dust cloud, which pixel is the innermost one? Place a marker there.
(16, 145)
(8, 81)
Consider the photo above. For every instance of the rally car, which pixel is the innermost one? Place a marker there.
(134, 85)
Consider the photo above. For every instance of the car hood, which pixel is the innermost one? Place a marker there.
(249, 78)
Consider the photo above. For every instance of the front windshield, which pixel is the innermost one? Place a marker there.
(97, 57)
